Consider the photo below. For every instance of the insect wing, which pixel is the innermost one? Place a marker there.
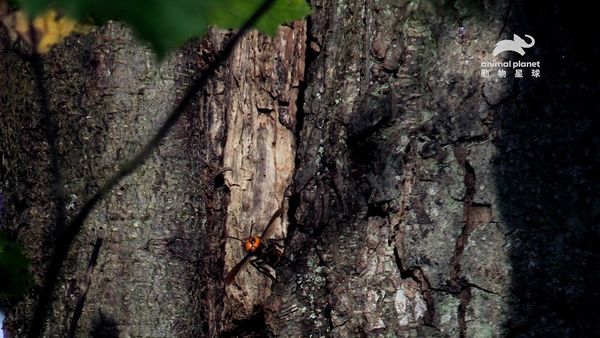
(231, 275)
(269, 229)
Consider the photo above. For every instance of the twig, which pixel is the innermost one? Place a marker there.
(65, 242)
(85, 287)
(51, 137)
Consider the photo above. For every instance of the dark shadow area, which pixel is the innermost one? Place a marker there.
(104, 326)
(548, 174)
(252, 327)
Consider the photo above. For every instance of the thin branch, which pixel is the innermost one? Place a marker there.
(65, 242)
(85, 287)
(51, 137)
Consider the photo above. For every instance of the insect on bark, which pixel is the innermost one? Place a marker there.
(261, 251)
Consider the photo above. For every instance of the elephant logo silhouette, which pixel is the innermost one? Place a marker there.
(516, 45)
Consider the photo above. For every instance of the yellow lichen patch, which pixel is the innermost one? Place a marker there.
(50, 28)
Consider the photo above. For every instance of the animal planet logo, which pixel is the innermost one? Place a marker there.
(503, 68)
(516, 45)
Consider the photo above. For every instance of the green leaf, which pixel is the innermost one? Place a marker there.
(14, 268)
(167, 24)
(233, 13)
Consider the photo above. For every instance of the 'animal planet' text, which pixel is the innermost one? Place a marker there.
(510, 64)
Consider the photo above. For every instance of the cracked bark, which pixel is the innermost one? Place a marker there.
(417, 179)
(385, 212)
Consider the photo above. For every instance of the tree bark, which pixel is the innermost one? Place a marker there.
(394, 193)
(432, 201)
(225, 166)
(108, 96)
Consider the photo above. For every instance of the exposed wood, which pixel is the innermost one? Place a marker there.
(261, 115)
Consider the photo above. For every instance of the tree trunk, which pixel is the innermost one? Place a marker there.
(225, 166)
(432, 201)
(108, 96)
(421, 199)
(394, 193)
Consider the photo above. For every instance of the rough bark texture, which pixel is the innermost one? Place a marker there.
(161, 265)
(108, 96)
(431, 201)
(422, 199)
(394, 193)
(393, 184)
